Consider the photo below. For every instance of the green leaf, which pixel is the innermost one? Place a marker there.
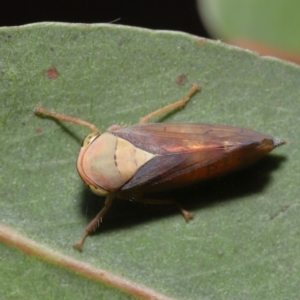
(274, 23)
(243, 242)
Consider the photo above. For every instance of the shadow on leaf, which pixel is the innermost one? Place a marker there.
(124, 213)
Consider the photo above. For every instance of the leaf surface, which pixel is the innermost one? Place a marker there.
(243, 242)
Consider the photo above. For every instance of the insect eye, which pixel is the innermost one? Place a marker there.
(90, 138)
(98, 190)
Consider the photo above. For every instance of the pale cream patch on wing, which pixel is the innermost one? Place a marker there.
(129, 159)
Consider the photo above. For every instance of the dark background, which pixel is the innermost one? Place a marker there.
(179, 15)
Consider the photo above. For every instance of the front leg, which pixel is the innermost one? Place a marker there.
(94, 224)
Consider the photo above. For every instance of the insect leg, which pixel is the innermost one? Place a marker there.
(186, 214)
(95, 222)
(39, 110)
(179, 104)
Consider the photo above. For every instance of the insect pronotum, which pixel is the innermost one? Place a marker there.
(134, 161)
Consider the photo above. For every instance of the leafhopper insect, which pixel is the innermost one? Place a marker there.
(134, 161)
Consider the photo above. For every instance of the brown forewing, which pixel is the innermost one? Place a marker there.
(189, 153)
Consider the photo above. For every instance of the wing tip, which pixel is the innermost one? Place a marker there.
(278, 142)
